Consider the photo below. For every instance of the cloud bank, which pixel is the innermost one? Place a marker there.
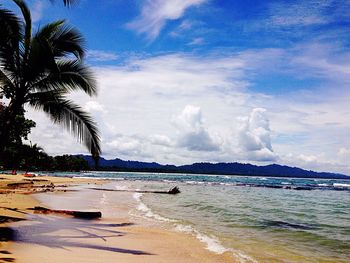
(181, 108)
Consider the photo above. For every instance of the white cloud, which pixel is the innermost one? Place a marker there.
(158, 139)
(138, 98)
(101, 55)
(192, 133)
(323, 61)
(344, 156)
(126, 146)
(186, 25)
(155, 13)
(196, 41)
(344, 152)
(308, 158)
(254, 137)
(94, 106)
(297, 14)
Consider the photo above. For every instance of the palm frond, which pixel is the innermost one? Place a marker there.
(70, 116)
(10, 29)
(28, 24)
(50, 44)
(11, 35)
(6, 84)
(71, 75)
(63, 39)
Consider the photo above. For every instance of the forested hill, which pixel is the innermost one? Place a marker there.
(273, 170)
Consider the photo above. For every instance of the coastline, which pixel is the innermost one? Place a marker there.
(111, 238)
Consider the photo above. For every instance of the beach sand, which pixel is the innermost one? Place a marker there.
(52, 238)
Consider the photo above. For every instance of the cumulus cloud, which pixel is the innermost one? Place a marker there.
(155, 13)
(254, 137)
(127, 146)
(192, 133)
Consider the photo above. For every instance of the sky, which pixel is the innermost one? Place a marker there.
(183, 81)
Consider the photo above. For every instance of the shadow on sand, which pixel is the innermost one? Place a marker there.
(6, 234)
(41, 232)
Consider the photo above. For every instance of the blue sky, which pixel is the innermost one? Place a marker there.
(183, 81)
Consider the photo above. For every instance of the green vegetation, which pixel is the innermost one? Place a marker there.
(39, 70)
(35, 159)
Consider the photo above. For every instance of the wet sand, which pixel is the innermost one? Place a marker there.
(117, 237)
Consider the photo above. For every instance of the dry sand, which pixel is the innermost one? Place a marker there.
(49, 238)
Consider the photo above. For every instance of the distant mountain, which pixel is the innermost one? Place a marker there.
(272, 170)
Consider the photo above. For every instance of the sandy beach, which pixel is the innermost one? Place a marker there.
(57, 238)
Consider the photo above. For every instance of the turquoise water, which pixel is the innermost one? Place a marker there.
(258, 219)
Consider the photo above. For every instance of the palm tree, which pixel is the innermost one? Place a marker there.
(40, 70)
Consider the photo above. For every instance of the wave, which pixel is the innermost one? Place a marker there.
(213, 244)
(147, 211)
(341, 185)
(322, 184)
(100, 178)
(169, 181)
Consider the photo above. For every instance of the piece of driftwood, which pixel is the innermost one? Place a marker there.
(173, 191)
(77, 214)
(20, 185)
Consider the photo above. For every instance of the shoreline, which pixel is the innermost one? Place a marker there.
(136, 242)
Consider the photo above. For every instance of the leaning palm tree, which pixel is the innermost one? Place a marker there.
(40, 70)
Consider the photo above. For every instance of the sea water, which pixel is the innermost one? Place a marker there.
(256, 219)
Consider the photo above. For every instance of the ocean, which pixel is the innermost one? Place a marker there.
(257, 219)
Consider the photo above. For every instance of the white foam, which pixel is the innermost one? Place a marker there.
(341, 185)
(99, 178)
(147, 211)
(322, 184)
(184, 228)
(213, 244)
(194, 182)
(243, 258)
(169, 181)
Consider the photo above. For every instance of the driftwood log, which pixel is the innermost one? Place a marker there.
(173, 191)
(77, 214)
